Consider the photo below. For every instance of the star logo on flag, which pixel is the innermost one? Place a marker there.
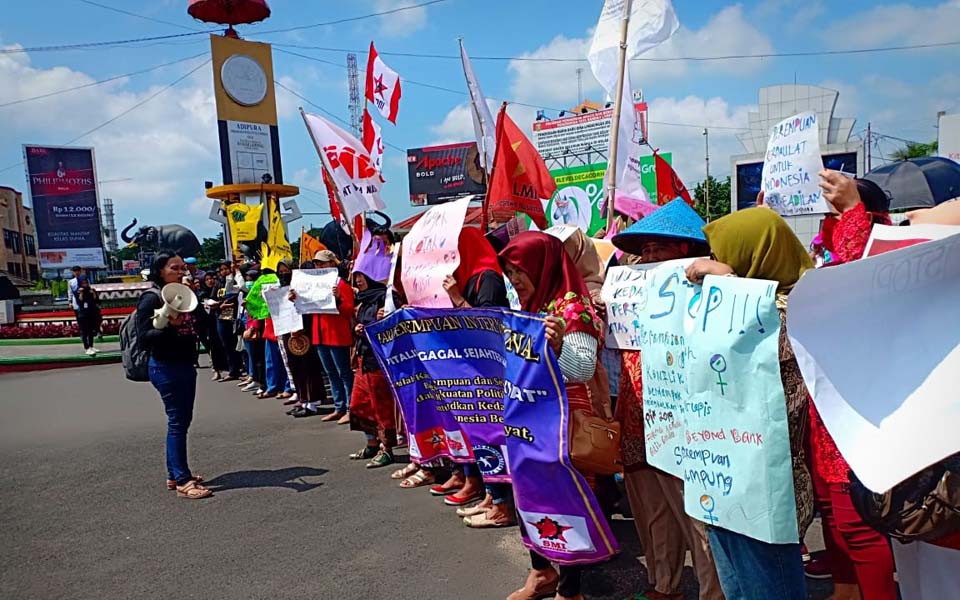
(436, 440)
(549, 529)
(378, 87)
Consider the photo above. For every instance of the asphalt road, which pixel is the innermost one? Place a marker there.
(84, 512)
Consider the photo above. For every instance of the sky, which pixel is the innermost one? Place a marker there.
(154, 159)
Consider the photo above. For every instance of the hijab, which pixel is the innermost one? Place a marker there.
(558, 288)
(476, 256)
(758, 243)
(374, 293)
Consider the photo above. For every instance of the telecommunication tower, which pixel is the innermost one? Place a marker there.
(355, 105)
(109, 225)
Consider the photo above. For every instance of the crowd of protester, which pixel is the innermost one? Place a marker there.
(331, 362)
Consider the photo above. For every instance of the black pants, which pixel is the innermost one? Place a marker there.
(88, 329)
(569, 583)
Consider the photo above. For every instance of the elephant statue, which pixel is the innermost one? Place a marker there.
(171, 238)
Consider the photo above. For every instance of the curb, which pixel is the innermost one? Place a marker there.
(54, 341)
(21, 364)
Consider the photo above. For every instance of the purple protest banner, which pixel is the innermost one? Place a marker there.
(446, 371)
(486, 379)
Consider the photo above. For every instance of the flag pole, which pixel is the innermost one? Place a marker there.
(615, 124)
(336, 194)
(481, 144)
(301, 245)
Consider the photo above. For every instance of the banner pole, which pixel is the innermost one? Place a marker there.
(301, 246)
(615, 124)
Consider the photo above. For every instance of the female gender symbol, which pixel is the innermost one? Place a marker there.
(719, 364)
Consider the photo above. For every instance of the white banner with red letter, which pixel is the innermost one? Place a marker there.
(383, 86)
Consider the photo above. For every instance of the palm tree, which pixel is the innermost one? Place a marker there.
(915, 151)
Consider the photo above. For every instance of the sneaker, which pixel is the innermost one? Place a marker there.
(89, 352)
(249, 387)
(95, 350)
(382, 459)
(244, 381)
(817, 569)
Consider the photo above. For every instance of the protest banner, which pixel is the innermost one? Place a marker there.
(882, 364)
(662, 332)
(314, 288)
(559, 516)
(284, 313)
(482, 384)
(430, 254)
(736, 460)
(790, 168)
(884, 238)
(446, 370)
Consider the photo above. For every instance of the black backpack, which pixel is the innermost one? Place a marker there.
(135, 357)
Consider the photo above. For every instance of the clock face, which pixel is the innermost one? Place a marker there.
(244, 80)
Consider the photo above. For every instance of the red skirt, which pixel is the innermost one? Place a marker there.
(372, 407)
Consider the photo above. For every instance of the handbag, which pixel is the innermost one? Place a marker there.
(298, 344)
(923, 508)
(594, 444)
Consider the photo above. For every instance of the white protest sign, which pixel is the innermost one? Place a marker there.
(314, 288)
(430, 254)
(883, 364)
(790, 167)
(624, 296)
(884, 238)
(284, 313)
(388, 304)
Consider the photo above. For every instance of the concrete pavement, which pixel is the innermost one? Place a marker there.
(85, 514)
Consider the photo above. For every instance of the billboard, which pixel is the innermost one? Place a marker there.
(582, 134)
(580, 193)
(63, 192)
(948, 140)
(750, 180)
(439, 174)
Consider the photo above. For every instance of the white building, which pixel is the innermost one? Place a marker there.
(776, 104)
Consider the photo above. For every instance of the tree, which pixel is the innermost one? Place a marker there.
(211, 252)
(916, 151)
(719, 199)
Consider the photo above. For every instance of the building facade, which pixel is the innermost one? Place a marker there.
(780, 102)
(18, 254)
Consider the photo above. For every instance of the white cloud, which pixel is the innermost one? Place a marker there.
(457, 125)
(728, 32)
(402, 23)
(896, 23)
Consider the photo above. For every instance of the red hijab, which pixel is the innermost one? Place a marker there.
(476, 256)
(559, 289)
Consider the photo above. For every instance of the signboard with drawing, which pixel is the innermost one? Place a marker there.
(580, 193)
(430, 253)
(587, 133)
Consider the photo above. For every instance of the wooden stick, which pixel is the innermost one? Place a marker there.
(615, 124)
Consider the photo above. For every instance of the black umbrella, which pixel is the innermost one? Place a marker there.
(918, 182)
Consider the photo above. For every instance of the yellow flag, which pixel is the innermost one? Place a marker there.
(309, 246)
(242, 219)
(277, 247)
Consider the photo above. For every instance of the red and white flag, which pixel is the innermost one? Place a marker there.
(373, 141)
(383, 86)
(351, 170)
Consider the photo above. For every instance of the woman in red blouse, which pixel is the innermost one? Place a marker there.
(333, 337)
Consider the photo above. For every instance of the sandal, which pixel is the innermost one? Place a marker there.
(172, 485)
(216, 376)
(418, 479)
(481, 521)
(263, 395)
(366, 453)
(382, 459)
(284, 395)
(193, 491)
(405, 472)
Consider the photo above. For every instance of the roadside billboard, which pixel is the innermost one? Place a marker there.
(62, 183)
(587, 133)
(439, 174)
(580, 193)
(948, 141)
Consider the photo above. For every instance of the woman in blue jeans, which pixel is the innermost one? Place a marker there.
(173, 353)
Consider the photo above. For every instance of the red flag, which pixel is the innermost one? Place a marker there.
(383, 86)
(520, 177)
(373, 141)
(669, 185)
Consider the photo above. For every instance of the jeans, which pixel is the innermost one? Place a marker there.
(228, 338)
(276, 371)
(256, 366)
(88, 329)
(177, 384)
(500, 492)
(753, 570)
(336, 364)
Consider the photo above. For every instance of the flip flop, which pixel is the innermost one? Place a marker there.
(172, 485)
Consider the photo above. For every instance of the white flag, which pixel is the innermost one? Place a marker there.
(652, 22)
(383, 86)
(483, 124)
(349, 165)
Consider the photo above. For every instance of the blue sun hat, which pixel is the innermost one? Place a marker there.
(674, 221)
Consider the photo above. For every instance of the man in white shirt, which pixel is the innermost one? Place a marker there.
(72, 287)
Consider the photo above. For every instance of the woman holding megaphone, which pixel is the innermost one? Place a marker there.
(169, 320)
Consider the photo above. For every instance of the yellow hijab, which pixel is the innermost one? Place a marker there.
(758, 243)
